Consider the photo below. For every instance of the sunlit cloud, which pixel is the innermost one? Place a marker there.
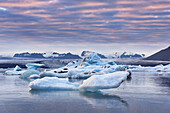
(3, 9)
(54, 23)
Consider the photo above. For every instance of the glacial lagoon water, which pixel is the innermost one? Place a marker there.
(144, 93)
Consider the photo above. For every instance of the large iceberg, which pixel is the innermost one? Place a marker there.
(107, 81)
(93, 59)
(53, 83)
(83, 69)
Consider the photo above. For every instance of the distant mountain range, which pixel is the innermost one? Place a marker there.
(116, 55)
(163, 55)
(72, 56)
(3, 57)
(56, 55)
(47, 55)
(126, 55)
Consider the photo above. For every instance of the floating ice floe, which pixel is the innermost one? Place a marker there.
(28, 73)
(107, 81)
(17, 71)
(51, 74)
(53, 83)
(11, 72)
(94, 83)
(81, 75)
(17, 68)
(34, 76)
(33, 65)
(158, 68)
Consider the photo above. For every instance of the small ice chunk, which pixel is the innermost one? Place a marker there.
(73, 63)
(34, 76)
(97, 70)
(28, 73)
(76, 75)
(50, 74)
(34, 65)
(17, 68)
(108, 70)
(11, 72)
(53, 83)
(106, 81)
(47, 74)
(111, 63)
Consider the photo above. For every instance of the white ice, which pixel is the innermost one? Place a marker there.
(11, 72)
(28, 73)
(53, 83)
(34, 76)
(17, 68)
(107, 81)
(33, 65)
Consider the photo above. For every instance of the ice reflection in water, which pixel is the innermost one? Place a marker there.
(143, 93)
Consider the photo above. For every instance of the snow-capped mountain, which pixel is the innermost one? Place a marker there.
(5, 57)
(163, 55)
(126, 55)
(47, 55)
(86, 53)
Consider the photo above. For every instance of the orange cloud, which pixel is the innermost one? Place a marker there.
(29, 3)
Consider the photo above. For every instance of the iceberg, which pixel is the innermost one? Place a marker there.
(158, 68)
(107, 81)
(17, 71)
(93, 59)
(34, 76)
(17, 68)
(28, 73)
(90, 65)
(166, 68)
(111, 63)
(11, 72)
(33, 65)
(75, 75)
(47, 74)
(73, 63)
(50, 74)
(53, 83)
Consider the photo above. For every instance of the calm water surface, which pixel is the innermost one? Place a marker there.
(144, 93)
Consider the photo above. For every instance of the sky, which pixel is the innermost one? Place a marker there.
(104, 26)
